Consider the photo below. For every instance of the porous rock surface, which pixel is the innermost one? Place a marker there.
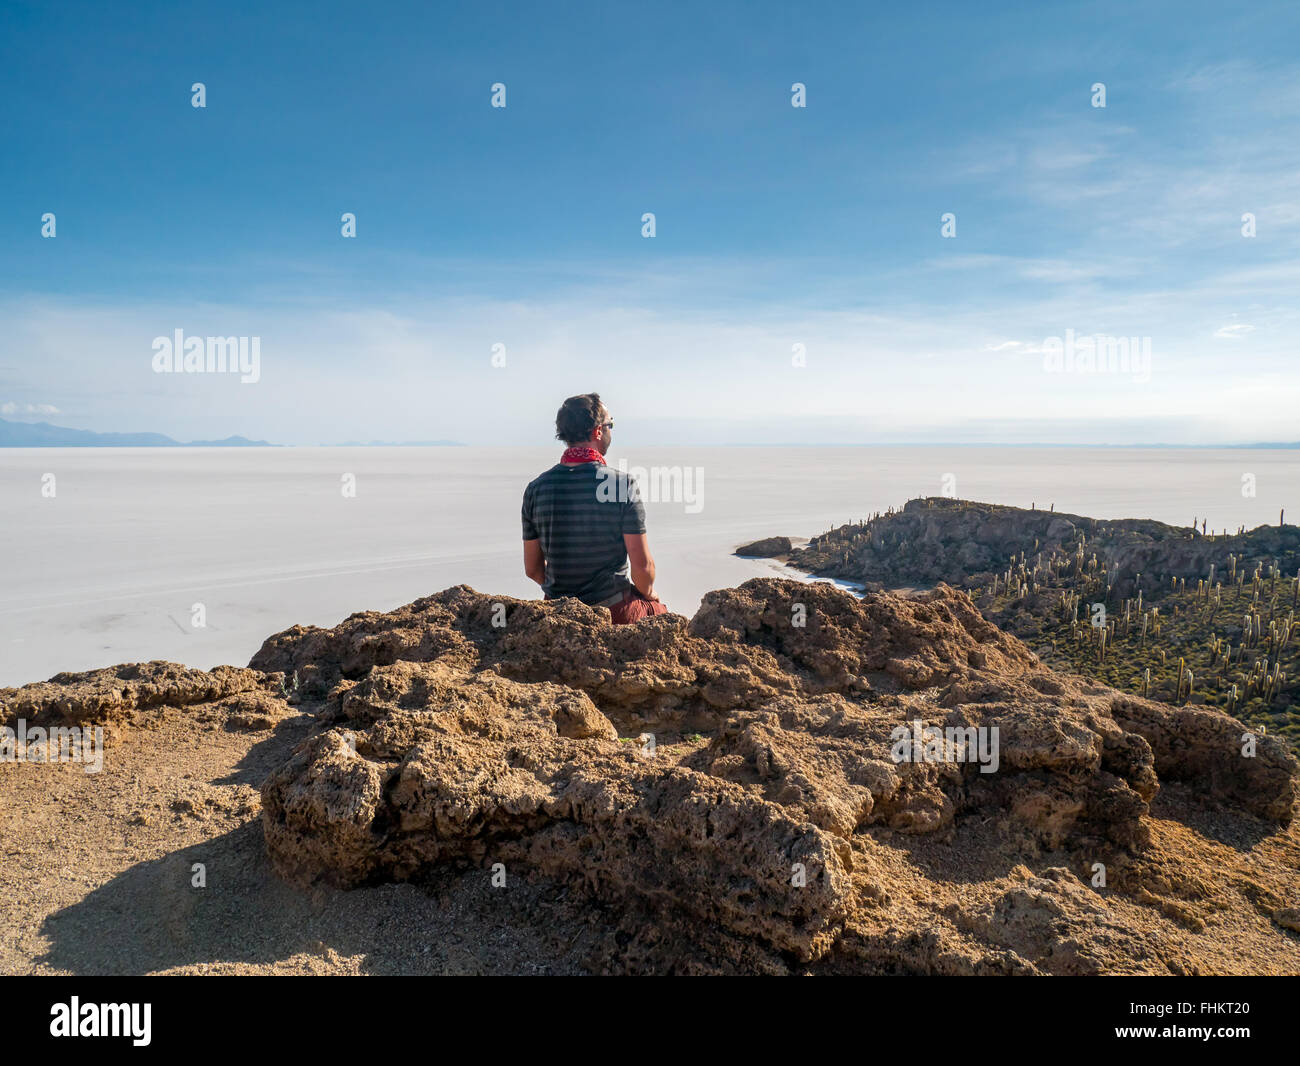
(115, 696)
(726, 787)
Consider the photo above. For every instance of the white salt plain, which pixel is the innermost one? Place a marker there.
(110, 568)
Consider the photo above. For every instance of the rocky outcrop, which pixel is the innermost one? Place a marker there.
(795, 780)
(966, 543)
(114, 696)
(1223, 608)
(767, 548)
(750, 780)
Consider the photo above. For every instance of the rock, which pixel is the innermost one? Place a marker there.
(1205, 746)
(1054, 919)
(1045, 577)
(767, 548)
(794, 780)
(448, 742)
(963, 542)
(113, 696)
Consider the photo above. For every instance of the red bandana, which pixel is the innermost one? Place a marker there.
(580, 453)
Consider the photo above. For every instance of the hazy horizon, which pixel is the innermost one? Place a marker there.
(643, 441)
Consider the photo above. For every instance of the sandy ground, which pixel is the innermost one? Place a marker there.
(96, 872)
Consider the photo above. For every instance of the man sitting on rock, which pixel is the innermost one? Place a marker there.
(584, 522)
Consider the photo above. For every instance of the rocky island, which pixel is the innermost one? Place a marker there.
(1158, 610)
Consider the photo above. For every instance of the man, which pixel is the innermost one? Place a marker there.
(584, 522)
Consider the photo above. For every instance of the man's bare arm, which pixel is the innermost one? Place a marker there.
(534, 561)
(642, 564)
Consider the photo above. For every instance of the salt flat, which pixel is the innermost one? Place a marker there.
(111, 567)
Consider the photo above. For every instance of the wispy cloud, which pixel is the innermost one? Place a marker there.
(11, 408)
(1239, 329)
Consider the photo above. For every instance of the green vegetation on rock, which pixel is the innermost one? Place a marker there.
(1145, 607)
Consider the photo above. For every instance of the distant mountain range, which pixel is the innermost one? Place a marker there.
(44, 435)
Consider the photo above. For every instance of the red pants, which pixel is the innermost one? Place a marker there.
(635, 607)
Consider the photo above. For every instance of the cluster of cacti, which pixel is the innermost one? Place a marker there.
(1243, 664)
(1117, 600)
(1243, 667)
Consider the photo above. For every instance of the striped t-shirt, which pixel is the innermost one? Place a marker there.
(580, 511)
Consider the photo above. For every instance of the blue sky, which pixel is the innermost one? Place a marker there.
(776, 226)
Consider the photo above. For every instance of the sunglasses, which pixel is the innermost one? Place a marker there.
(607, 425)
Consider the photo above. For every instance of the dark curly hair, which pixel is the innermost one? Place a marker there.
(578, 418)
